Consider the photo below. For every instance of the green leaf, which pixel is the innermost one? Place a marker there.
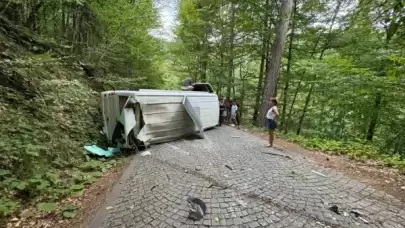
(69, 214)
(4, 172)
(77, 193)
(20, 185)
(77, 187)
(48, 207)
(69, 207)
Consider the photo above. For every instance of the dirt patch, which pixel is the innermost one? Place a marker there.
(381, 178)
(92, 198)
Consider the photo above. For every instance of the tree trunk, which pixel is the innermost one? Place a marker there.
(265, 37)
(242, 93)
(204, 61)
(289, 63)
(304, 111)
(292, 104)
(374, 118)
(231, 44)
(276, 54)
(390, 32)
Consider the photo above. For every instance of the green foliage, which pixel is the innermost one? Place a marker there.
(49, 91)
(354, 150)
(47, 207)
(68, 214)
(344, 88)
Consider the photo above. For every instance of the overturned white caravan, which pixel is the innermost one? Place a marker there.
(139, 118)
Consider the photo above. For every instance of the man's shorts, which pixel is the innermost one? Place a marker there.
(271, 125)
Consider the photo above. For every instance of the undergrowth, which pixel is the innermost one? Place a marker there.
(48, 113)
(354, 150)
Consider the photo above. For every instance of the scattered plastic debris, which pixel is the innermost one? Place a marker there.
(318, 173)
(235, 136)
(335, 209)
(197, 208)
(198, 169)
(403, 187)
(146, 153)
(108, 208)
(355, 213)
(345, 214)
(101, 152)
(229, 167)
(217, 219)
(364, 220)
(359, 216)
(241, 202)
(275, 154)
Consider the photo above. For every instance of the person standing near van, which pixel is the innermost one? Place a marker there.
(272, 116)
(221, 110)
(187, 84)
(234, 113)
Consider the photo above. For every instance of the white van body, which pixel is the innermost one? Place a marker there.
(143, 117)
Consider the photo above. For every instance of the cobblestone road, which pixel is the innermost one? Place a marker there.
(260, 190)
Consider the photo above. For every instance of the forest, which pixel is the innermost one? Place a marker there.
(341, 76)
(337, 68)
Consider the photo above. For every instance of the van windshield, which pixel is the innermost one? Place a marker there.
(202, 88)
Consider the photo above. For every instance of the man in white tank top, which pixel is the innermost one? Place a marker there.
(272, 116)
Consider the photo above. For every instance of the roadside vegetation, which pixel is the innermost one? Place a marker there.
(337, 68)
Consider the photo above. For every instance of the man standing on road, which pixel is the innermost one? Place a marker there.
(272, 116)
(234, 113)
(187, 84)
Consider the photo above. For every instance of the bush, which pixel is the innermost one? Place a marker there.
(354, 150)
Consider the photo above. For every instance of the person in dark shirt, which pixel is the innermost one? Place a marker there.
(221, 111)
(187, 84)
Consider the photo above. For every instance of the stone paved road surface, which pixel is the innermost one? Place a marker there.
(261, 190)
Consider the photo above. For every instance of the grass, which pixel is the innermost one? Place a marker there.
(354, 150)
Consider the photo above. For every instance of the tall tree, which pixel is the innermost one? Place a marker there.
(276, 55)
(289, 65)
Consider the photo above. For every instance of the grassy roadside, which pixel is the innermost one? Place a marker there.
(354, 150)
(49, 112)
